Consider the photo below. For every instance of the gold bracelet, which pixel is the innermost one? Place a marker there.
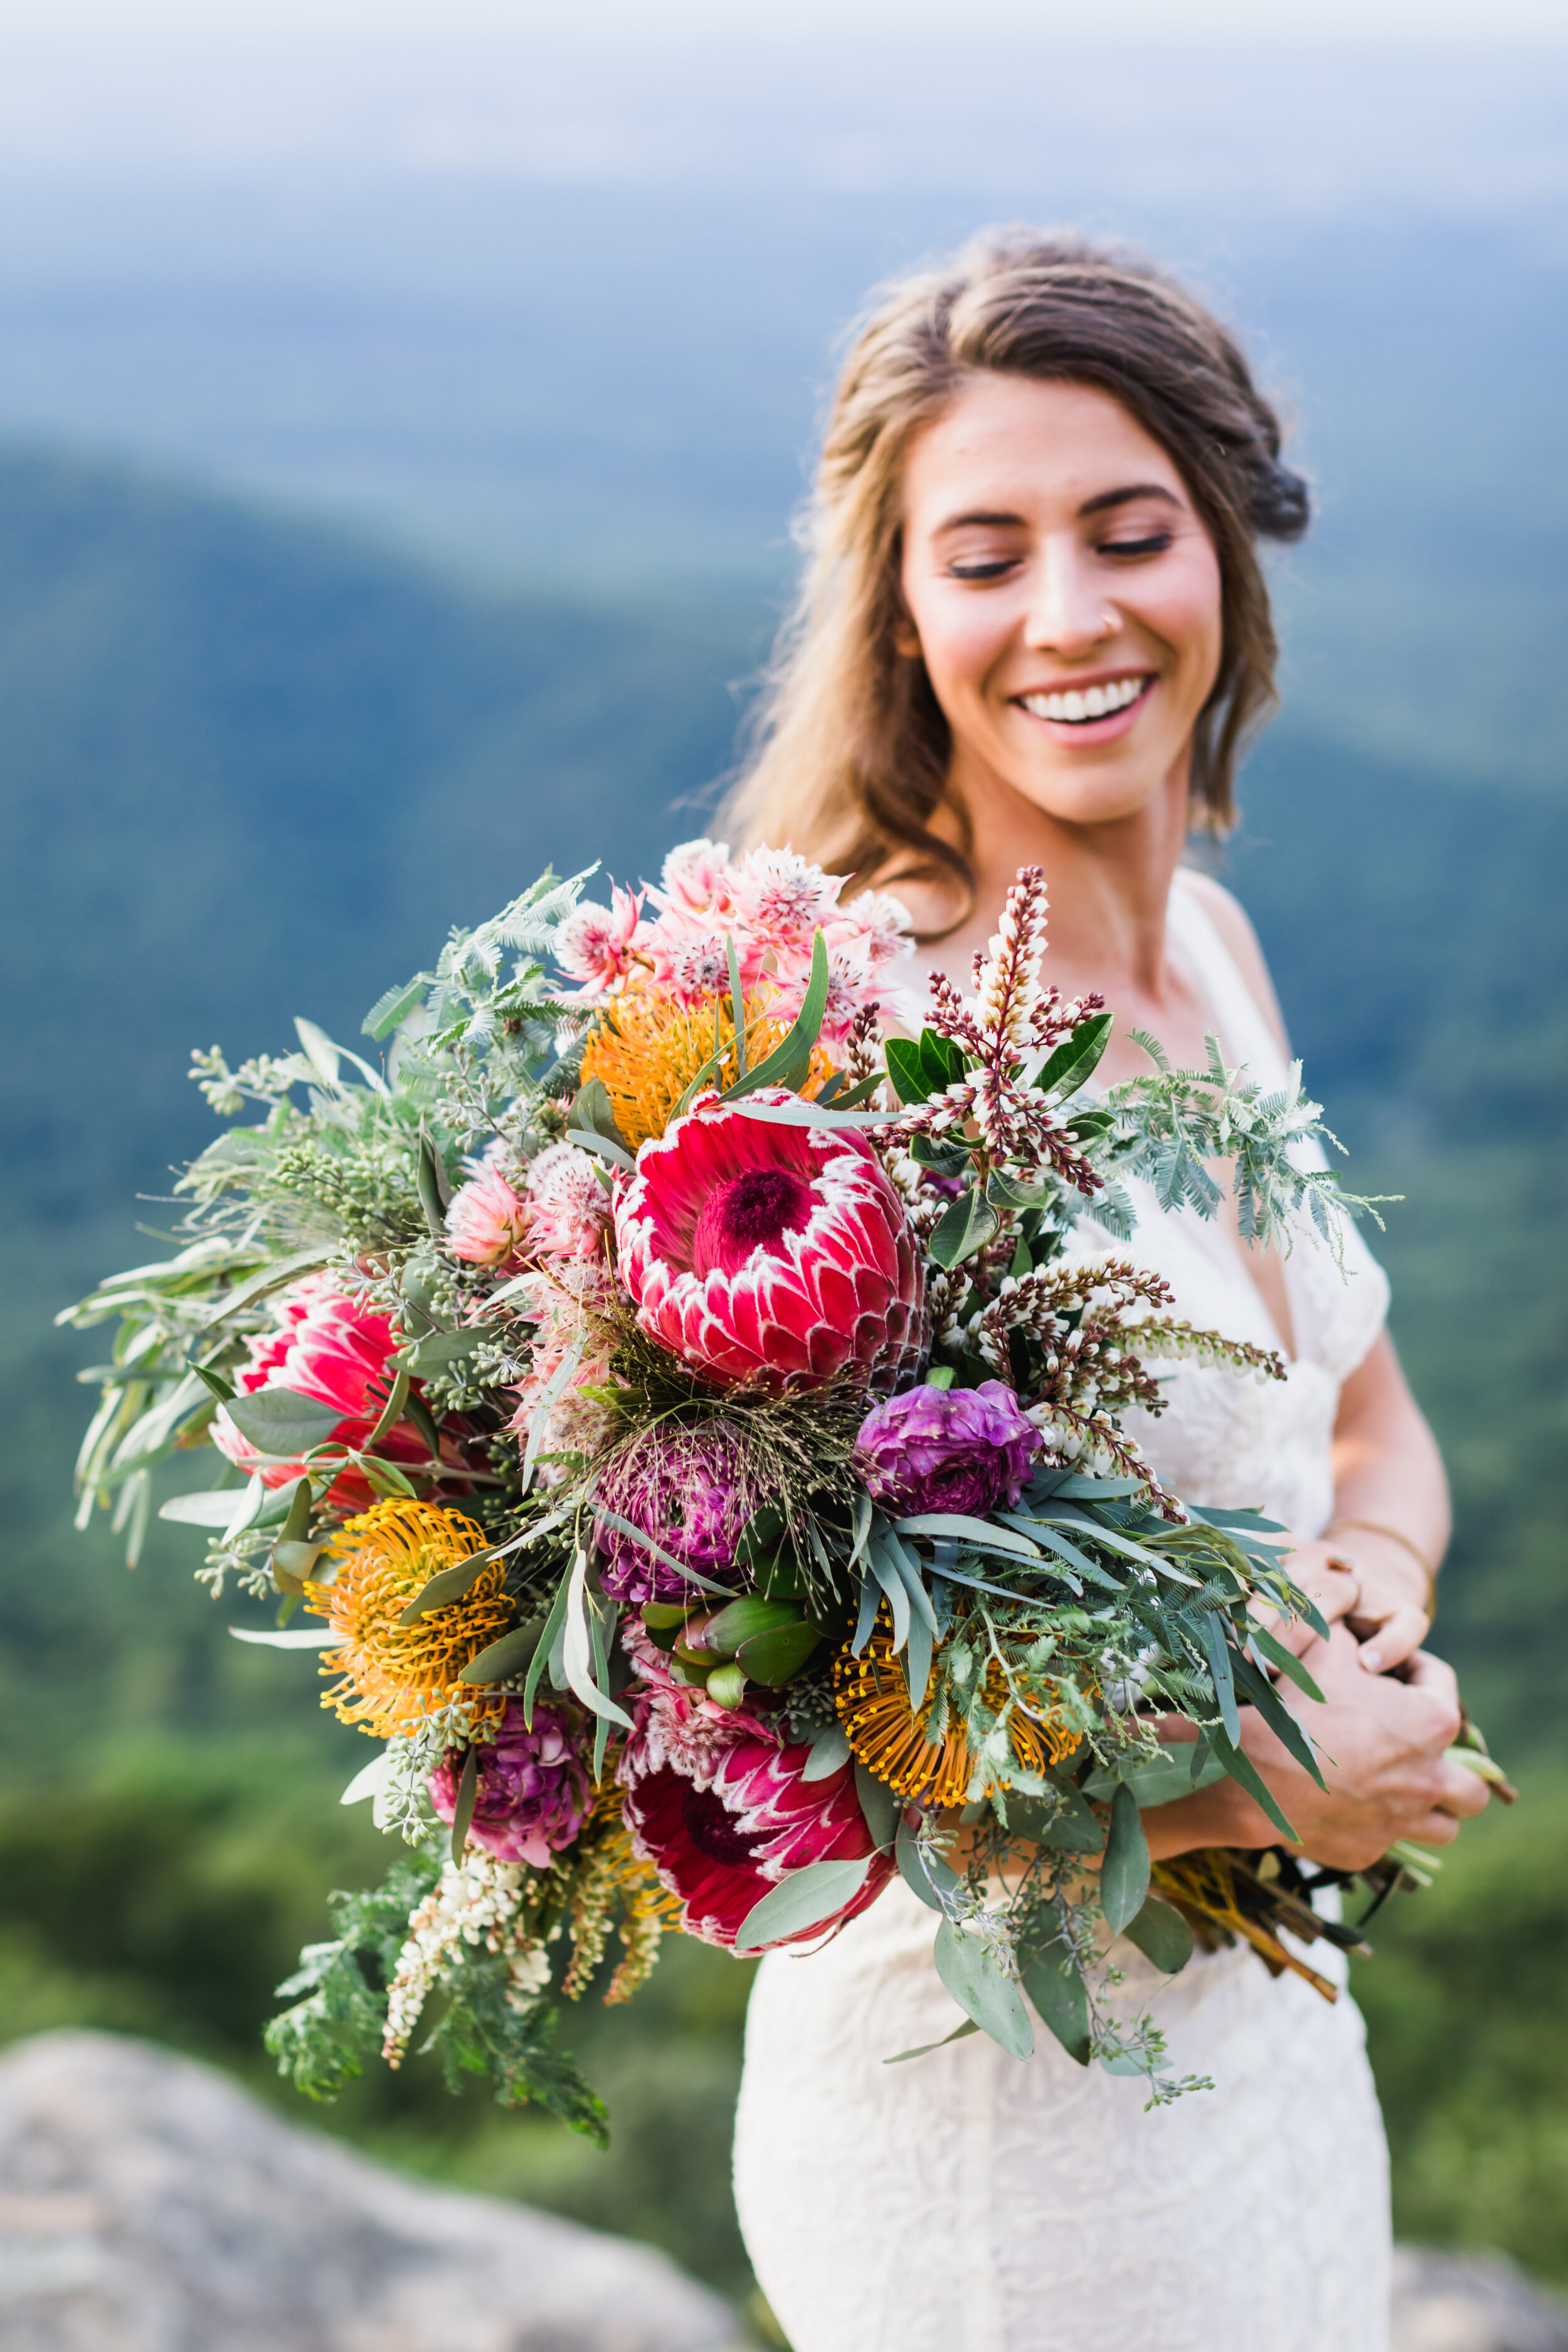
(1397, 1535)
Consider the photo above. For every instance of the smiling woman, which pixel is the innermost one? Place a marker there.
(1036, 629)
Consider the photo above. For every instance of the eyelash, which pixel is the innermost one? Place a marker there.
(1154, 545)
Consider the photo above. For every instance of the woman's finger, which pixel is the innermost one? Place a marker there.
(1390, 1641)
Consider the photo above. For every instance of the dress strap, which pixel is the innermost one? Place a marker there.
(1243, 1030)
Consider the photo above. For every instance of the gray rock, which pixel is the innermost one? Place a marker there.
(148, 2205)
(1471, 2303)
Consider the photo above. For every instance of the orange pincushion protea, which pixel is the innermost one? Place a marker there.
(891, 1737)
(647, 1046)
(393, 1674)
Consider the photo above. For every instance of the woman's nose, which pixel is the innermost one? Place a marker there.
(1066, 613)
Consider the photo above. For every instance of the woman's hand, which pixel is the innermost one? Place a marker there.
(1380, 1743)
(1324, 1577)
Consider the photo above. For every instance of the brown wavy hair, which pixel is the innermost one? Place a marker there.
(852, 751)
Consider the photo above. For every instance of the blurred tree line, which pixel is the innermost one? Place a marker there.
(249, 769)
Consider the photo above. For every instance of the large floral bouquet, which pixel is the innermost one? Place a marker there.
(702, 1439)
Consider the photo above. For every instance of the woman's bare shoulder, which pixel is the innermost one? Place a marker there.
(1233, 926)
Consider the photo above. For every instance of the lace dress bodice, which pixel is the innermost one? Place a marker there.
(965, 2202)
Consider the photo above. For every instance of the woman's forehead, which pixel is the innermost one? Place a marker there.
(1009, 440)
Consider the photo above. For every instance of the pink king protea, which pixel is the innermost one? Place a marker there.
(756, 1251)
(721, 1812)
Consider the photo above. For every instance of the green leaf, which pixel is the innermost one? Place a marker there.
(214, 1382)
(593, 1113)
(904, 1068)
(1124, 1873)
(504, 1658)
(554, 1619)
(924, 2049)
(207, 1510)
(428, 1177)
(272, 1277)
(1161, 1934)
(925, 1874)
(392, 1410)
(737, 1004)
(773, 1659)
(830, 1751)
(1285, 1660)
(808, 1898)
(790, 1061)
(1257, 1687)
(1072, 1829)
(1160, 1781)
(983, 1991)
(880, 1806)
(965, 1226)
(1245, 1773)
(298, 1638)
(982, 1533)
(282, 1423)
(1076, 1058)
(463, 1811)
(434, 1353)
(448, 1584)
(941, 1062)
(391, 1010)
(1060, 1997)
(1218, 1654)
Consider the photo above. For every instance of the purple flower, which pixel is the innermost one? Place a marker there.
(533, 1794)
(689, 1489)
(947, 1449)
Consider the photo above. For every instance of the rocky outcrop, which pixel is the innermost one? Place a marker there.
(148, 2205)
(1471, 2303)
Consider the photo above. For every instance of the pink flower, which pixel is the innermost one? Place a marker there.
(568, 1356)
(721, 1810)
(568, 1208)
(695, 883)
(330, 1347)
(775, 1253)
(533, 1789)
(880, 921)
(594, 944)
(485, 1222)
(782, 898)
(695, 963)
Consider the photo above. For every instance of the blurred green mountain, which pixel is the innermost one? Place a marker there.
(249, 768)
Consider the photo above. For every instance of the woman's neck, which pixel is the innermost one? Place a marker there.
(1109, 884)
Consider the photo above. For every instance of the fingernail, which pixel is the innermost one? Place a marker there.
(1373, 1661)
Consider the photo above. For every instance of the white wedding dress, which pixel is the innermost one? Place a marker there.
(965, 2202)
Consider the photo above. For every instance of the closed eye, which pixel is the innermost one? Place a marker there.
(1156, 545)
(991, 570)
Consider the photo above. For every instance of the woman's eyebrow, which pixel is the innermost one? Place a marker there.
(995, 521)
(1122, 497)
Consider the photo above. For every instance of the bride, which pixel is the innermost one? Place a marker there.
(1035, 631)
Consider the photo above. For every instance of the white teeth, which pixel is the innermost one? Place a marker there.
(1094, 702)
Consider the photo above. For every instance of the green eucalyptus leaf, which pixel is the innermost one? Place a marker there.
(503, 1659)
(467, 1794)
(983, 1991)
(1056, 1987)
(282, 1423)
(1161, 1934)
(830, 1751)
(1124, 1873)
(743, 1620)
(806, 1899)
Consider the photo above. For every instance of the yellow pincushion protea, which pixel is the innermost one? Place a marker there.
(891, 1737)
(647, 1046)
(392, 1673)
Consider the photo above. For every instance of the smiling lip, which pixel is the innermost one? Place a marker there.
(1096, 708)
